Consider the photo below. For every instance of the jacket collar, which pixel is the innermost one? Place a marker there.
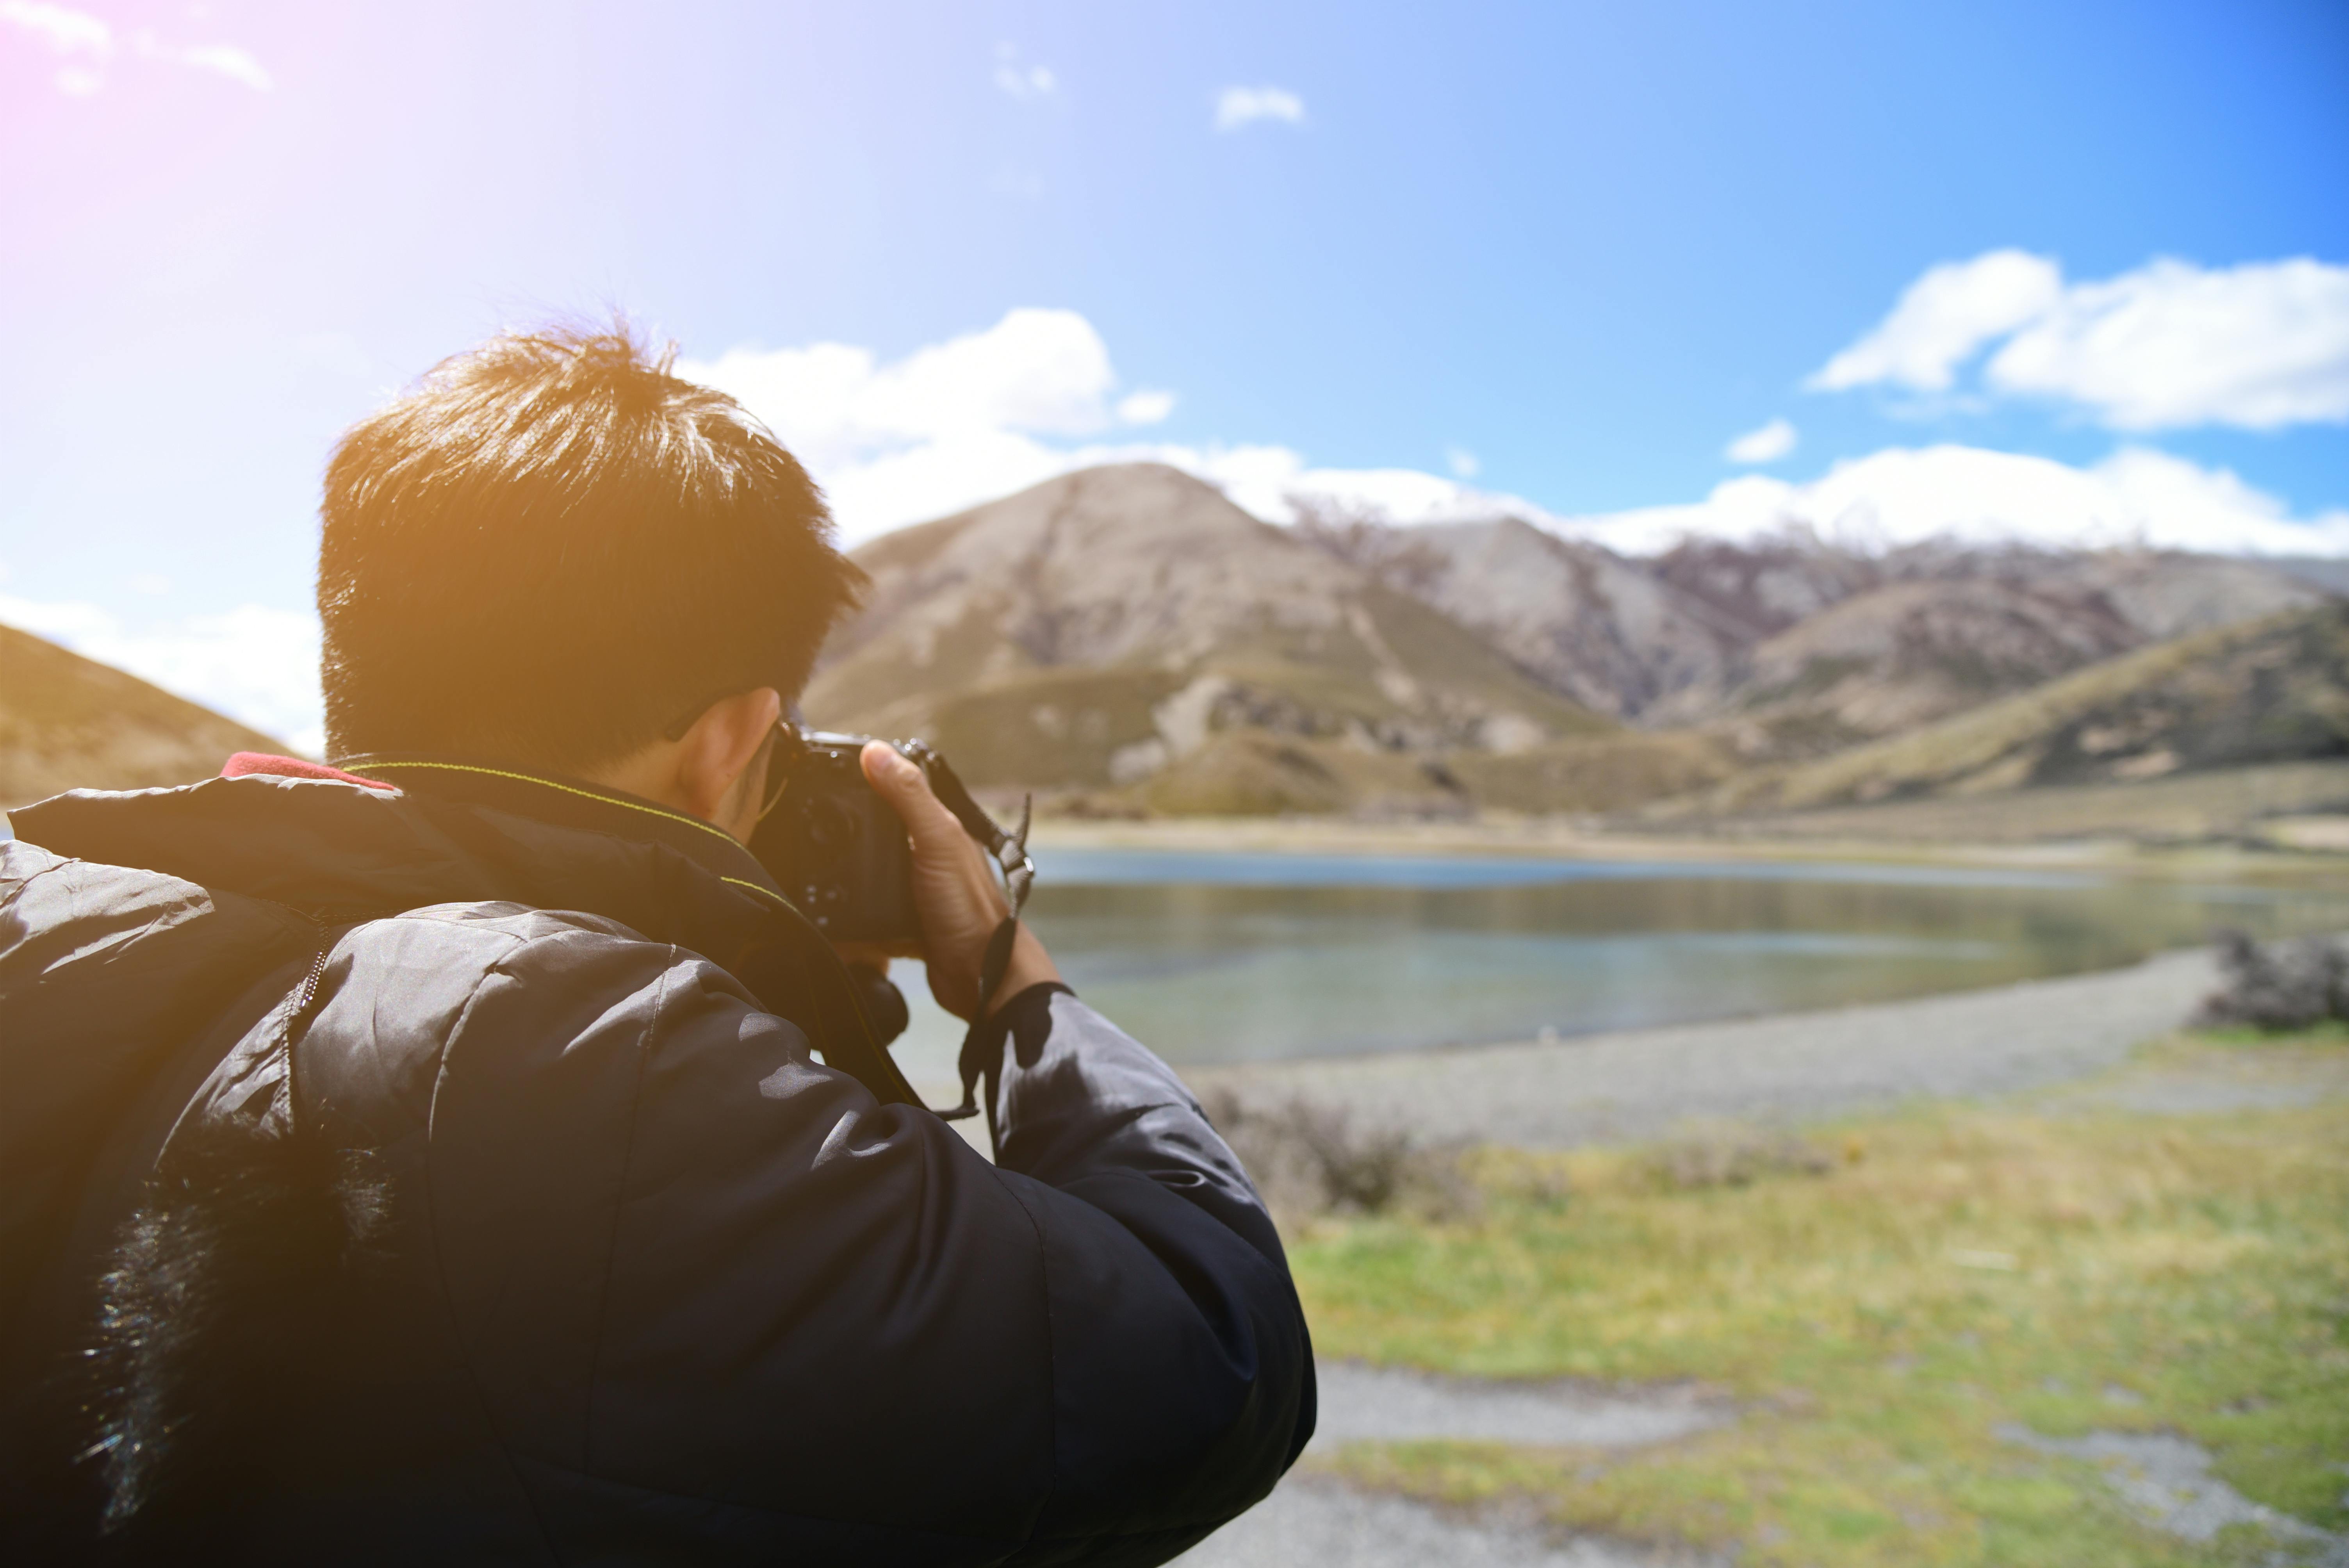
(561, 801)
(346, 848)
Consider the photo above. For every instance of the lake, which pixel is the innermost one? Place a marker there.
(1256, 956)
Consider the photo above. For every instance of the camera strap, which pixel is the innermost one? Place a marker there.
(1010, 852)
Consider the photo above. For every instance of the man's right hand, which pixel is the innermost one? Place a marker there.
(955, 893)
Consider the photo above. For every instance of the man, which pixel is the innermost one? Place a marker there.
(448, 1156)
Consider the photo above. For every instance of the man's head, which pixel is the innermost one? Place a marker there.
(553, 550)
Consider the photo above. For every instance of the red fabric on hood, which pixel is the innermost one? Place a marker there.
(245, 763)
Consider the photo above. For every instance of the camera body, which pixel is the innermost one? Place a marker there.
(838, 849)
(841, 855)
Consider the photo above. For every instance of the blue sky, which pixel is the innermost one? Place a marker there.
(1556, 252)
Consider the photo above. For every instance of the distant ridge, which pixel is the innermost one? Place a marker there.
(71, 723)
(1126, 638)
(2275, 690)
(1790, 648)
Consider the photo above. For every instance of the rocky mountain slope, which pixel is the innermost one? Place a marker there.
(1940, 633)
(2273, 690)
(1790, 648)
(67, 722)
(1129, 628)
(1127, 635)
(1608, 632)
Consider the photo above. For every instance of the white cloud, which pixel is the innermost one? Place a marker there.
(1462, 462)
(1022, 81)
(64, 30)
(1236, 106)
(1268, 482)
(972, 419)
(946, 427)
(1039, 370)
(2260, 346)
(1145, 406)
(254, 663)
(1905, 495)
(981, 416)
(1943, 319)
(1766, 445)
(75, 33)
(2195, 507)
(2170, 344)
(230, 61)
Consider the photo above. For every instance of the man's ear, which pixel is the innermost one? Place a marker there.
(715, 754)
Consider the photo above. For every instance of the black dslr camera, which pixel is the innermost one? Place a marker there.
(838, 849)
(838, 852)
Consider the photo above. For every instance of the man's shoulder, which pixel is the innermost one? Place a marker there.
(427, 966)
(500, 923)
(495, 982)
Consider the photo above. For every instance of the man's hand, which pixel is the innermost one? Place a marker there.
(955, 891)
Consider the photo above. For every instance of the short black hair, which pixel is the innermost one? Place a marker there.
(553, 549)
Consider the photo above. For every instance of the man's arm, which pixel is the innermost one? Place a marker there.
(1183, 1371)
(714, 1292)
(1183, 1374)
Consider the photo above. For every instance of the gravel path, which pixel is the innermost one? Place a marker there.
(1387, 1405)
(1313, 1522)
(1789, 1067)
(1317, 1522)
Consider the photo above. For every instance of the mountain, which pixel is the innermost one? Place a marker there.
(1607, 631)
(2329, 572)
(67, 722)
(1129, 629)
(1941, 634)
(2267, 691)
(1790, 648)
(1128, 637)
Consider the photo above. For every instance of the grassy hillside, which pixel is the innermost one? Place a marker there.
(2270, 691)
(67, 722)
(1948, 631)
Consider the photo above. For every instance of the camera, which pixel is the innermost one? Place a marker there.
(838, 849)
(840, 853)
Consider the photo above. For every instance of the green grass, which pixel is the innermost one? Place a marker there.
(1958, 1268)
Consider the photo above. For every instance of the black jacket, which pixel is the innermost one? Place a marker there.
(466, 1186)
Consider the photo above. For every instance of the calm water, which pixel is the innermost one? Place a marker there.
(1212, 958)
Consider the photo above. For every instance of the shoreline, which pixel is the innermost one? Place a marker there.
(1773, 1070)
(1569, 838)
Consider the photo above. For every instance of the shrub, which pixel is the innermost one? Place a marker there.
(2277, 986)
(1308, 1158)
